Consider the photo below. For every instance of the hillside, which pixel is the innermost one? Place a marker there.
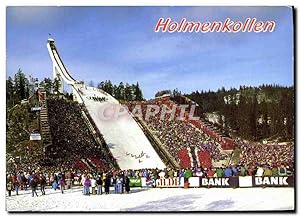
(254, 113)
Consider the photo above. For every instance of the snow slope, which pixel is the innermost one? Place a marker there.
(123, 135)
(155, 199)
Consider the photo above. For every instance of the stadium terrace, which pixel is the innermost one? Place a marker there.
(248, 25)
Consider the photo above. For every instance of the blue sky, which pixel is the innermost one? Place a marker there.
(119, 44)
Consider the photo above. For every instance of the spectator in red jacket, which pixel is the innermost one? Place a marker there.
(210, 173)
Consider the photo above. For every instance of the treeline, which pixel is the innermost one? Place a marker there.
(21, 87)
(20, 98)
(254, 113)
(17, 89)
(125, 92)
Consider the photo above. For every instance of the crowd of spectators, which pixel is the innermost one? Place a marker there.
(72, 139)
(62, 178)
(97, 98)
(270, 154)
(178, 135)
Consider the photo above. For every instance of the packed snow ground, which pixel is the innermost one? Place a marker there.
(156, 199)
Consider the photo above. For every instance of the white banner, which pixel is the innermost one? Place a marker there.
(35, 136)
(181, 181)
(170, 182)
(147, 183)
(36, 109)
(245, 181)
(194, 182)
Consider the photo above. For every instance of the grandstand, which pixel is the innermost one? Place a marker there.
(189, 145)
(73, 139)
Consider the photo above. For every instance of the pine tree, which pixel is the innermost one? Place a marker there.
(47, 84)
(21, 85)
(138, 92)
(56, 85)
(10, 92)
(116, 92)
(121, 91)
(101, 85)
(128, 92)
(109, 87)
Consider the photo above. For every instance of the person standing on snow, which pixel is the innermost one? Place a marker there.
(228, 172)
(54, 185)
(180, 175)
(210, 173)
(93, 185)
(83, 178)
(260, 171)
(282, 171)
(268, 171)
(9, 187)
(16, 184)
(43, 183)
(87, 185)
(126, 182)
(234, 170)
(242, 171)
(119, 183)
(99, 185)
(62, 185)
(114, 183)
(220, 172)
(275, 171)
(33, 184)
(24, 182)
(107, 184)
(187, 174)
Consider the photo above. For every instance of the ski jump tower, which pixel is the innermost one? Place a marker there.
(124, 137)
(61, 73)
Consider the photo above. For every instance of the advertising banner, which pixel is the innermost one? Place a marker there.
(229, 182)
(147, 182)
(224, 182)
(167, 183)
(194, 182)
(35, 136)
(245, 181)
(36, 109)
(282, 181)
(135, 182)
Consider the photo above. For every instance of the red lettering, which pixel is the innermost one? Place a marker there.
(270, 24)
(226, 26)
(205, 27)
(161, 24)
(246, 24)
(172, 27)
(215, 25)
(258, 26)
(237, 27)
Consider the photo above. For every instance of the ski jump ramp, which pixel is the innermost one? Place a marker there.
(125, 139)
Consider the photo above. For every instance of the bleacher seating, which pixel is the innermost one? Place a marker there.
(184, 159)
(204, 159)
